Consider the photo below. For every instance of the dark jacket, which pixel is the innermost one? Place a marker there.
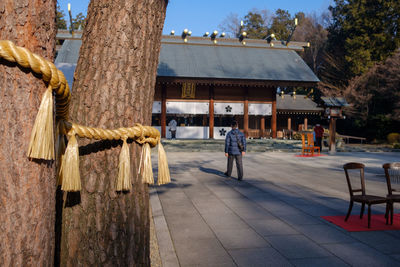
(231, 145)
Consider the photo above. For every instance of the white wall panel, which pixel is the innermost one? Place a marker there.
(189, 132)
(156, 107)
(181, 107)
(260, 109)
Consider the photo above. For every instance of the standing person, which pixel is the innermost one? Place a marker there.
(235, 148)
(319, 133)
(172, 124)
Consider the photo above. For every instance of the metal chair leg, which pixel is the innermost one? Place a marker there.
(349, 211)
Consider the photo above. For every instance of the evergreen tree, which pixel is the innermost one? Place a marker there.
(60, 20)
(282, 24)
(79, 22)
(120, 49)
(27, 187)
(367, 31)
(375, 99)
(254, 26)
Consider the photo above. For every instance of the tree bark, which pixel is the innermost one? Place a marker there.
(27, 187)
(113, 87)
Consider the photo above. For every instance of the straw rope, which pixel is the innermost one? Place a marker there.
(56, 79)
(41, 145)
(50, 74)
(141, 134)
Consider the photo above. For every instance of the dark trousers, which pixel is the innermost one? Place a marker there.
(173, 134)
(318, 142)
(239, 165)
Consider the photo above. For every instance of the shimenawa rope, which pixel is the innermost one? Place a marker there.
(41, 144)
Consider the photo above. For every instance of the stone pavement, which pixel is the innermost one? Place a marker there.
(272, 218)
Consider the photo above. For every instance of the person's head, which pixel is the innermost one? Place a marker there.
(234, 124)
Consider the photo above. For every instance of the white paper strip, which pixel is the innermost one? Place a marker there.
(181, 107)
(156, 107)
(260, 109)
(228, 108)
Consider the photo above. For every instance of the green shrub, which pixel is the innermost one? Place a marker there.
(396, 145)
(393, 138)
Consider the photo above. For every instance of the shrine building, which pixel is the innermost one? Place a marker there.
(204, 83)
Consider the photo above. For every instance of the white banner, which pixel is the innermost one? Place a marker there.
(260, 109)
(157, 107)
(181, 107)
(189, 132)
(221, 132)
(228, 108)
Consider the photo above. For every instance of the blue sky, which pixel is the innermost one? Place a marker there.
(206, 15)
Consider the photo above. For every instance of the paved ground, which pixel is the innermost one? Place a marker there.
(272, 218)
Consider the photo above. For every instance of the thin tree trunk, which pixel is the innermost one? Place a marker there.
(27, 188)
(113, 87)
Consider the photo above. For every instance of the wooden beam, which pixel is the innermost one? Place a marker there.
(246, 113)
(163, 110)
(211, 112)
(234, 42)
(273, 119)
(305, 123)
(262, 126)
(239, 82)
(289, 123)
(332, 136)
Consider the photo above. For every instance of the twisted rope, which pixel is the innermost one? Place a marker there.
(50, 74)
(56, 79)
(141, 134)
(41, 145)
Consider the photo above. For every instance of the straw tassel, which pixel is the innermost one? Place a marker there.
(124, 175)
(147, 168)
(163, 170)
(69, 171)
(41, 145)
(60, 154)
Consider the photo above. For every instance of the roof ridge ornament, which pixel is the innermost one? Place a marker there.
(185, 34)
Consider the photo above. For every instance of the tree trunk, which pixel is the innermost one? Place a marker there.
(113, 87)
(27, 187)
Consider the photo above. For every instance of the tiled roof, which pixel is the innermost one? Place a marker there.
(299, 103)
(200, 58)
(334, 101)
(228, 59)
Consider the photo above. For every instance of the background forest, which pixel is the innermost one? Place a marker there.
(355, 52)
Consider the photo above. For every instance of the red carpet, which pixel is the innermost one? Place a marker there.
(355, 224)
(309, 156)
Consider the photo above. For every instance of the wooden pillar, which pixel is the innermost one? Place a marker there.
(305, 123)
(211, 112)
(289, 123)
(246, 114)
(204, 120)
(163, 110)
(273, 119)
(332, 136)
(262, 126)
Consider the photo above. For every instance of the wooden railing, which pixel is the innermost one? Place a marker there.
(256, 133)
